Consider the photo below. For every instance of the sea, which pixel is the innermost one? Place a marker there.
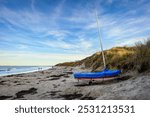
(10, 70)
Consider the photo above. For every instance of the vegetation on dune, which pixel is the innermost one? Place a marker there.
(142, 56)
(124, 58)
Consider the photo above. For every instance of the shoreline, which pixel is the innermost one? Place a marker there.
(58, 84)
(28, 71)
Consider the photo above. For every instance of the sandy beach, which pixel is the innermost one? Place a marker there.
(58, 84)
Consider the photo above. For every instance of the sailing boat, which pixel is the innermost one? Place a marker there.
(106, 73)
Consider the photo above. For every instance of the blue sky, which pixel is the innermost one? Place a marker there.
(46, 32)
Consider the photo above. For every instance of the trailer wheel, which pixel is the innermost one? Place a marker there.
(90, 82)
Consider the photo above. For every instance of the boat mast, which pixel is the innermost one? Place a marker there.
(100, 38)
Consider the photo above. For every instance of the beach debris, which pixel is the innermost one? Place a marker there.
(58, 75)
(3, 97)
(21, 94)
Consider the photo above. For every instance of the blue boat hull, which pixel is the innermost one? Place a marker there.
(97, 75)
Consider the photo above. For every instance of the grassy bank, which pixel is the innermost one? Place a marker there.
(135, 58)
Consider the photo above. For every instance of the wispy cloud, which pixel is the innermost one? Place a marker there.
(32, 20)
(82, 45)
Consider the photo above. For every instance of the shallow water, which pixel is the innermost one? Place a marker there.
(9, 70)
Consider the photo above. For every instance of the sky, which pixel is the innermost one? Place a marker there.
(47, 32)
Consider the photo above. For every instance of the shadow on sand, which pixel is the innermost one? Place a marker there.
(105, 82)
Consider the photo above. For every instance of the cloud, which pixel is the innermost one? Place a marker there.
(81, 44)
(58, 44)
(57, 33)
(34, 21)
(29, 58)
(132, 41)
(84, 44)
(22, 46)
(33, 5)
(91, 26)
(128, 28)
(22, 19)
(125, 26)
(110, 1)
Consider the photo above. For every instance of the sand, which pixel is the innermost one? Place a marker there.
(58, 84)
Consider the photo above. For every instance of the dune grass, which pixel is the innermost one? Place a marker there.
(142, 56)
